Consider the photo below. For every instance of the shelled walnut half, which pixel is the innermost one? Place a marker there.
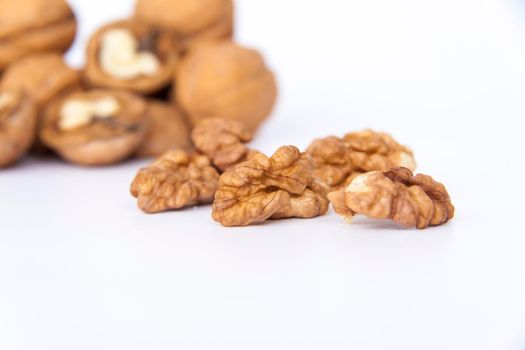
(128, 55)
(223, 141)
(262, 188)
(412, 201)
(18, 123)
(175, 180)
(96, 127)
(338, 160)
(31, 26)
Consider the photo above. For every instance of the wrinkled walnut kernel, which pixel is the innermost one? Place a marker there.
(263, 188)
(223, 141)
(398, 195)
(175, 180)
(18, 122)
(337, 161)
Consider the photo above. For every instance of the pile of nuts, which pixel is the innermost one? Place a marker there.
(147, 80)
(169, 82)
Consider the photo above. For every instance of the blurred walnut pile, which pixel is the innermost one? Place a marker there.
(146, 82)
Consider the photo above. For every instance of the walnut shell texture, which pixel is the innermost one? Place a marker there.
(225, 80)
(18, 122)
(262, 188)
(101, 141)
(31, 26)
(175, 180)
(412, 201)
(167, 130)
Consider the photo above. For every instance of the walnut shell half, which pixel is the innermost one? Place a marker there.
(18, 121)
(31, 26)
(127, 55)
(96, 127)
(227, 81)
(412, 201)
(262, 188)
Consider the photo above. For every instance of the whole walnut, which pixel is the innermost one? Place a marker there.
(18, 121)
(175, 180)
(223, 141)
(225, 80)
(42, 77)
(31, 26)
(97, 127)
(412, 201)
(262, 188)
(167, 129)
(128, 55)
(189, 22)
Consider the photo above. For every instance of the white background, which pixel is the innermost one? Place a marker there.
(82, 268)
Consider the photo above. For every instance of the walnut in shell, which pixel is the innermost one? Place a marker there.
(227, 81)
(167, 130)
(189, 22)
(412, 201)
(175, 180)
(18, 123)
(223, 141)
(42, 77)
(96, 127)
(30, 26)
(127, 55)
(262, 188)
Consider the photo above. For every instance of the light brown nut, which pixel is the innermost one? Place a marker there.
(18, 123)
(98, 127)
(262, 188)
(128, 55)
(175, 180)
(227, 81)
(332, 162)
(167, 130)
(31, 26)
(337, 161)
(376, 151)
(223, 141)
(42, 77)
(398, 195)
(182, 16)
(189, 23)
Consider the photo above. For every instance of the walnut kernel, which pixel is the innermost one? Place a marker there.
(412, 201)
(175, 180)
(262, 188)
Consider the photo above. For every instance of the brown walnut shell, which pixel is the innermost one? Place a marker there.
(225, 80)
(103, 140)
(31, 26)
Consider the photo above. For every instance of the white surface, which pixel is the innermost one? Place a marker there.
(82, 268)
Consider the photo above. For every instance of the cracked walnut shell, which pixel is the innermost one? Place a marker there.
(31, 26)
(223, 141)
(127, 55)
(167, 130)
(175, 180)
(96, 127)
(227, 81)
(262, 188)
(18, 121)
(412, 201)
